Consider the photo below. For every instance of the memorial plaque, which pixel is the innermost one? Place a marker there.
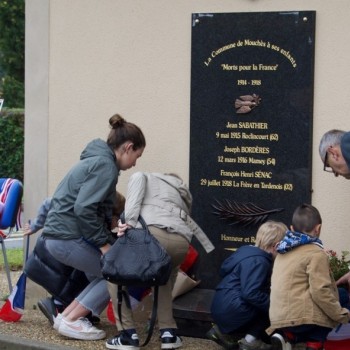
(251, 125)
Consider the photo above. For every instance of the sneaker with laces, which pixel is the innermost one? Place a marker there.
(279, 343)
(224, 340)
(80, 329)
(48, 308)
(123, 341)
(57, 321)
(254, 345)
(169, 339)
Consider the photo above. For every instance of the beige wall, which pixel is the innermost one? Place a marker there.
(88, 59)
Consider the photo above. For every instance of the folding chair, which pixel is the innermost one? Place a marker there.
(11, 191)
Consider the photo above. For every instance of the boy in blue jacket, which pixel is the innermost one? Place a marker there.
(241, 301)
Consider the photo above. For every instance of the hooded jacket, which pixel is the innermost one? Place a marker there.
(39, 222)
(85, 197)
(244, 289)
(165, 202)
(303, 290)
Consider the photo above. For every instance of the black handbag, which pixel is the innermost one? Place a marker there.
(137, 259)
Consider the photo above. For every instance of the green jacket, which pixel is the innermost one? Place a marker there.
(85, 197)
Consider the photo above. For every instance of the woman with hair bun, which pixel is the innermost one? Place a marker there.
(75, 231)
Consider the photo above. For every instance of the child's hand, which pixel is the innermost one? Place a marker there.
(27, 230)
(344, 280)
(104, 249)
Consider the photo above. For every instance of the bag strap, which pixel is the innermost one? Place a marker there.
(140, 219)
(122, 292)
(143, 223)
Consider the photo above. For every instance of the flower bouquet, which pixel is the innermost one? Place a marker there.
(339, 264)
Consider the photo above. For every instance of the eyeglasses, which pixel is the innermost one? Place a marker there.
(326, 167)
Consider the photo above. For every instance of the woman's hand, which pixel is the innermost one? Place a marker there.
(122, 228)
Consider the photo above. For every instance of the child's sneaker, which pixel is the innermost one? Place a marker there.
(93, 318)
(48, 308)
(80, 329)
(169, 339)
(224, 340)
(254, 345)
(279, 343)
(123, 341)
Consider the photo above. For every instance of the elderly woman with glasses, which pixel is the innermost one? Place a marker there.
(334, 151)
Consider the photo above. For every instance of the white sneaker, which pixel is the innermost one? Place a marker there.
(256, 344)
(170, 341)
(80, 329)
(278, 342)
(57, 321)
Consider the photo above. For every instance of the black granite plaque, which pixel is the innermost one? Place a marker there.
(251, 125)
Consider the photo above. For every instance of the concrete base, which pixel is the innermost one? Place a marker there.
(8, 342)
(192, 312)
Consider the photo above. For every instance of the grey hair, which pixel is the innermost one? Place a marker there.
(330, 138)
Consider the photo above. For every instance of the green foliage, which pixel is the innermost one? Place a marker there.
(12, 143)
(14, 259)
(339, 265)
(13, 92)
(12, 37)
(12, 19)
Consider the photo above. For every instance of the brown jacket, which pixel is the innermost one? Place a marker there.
(303, 290)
